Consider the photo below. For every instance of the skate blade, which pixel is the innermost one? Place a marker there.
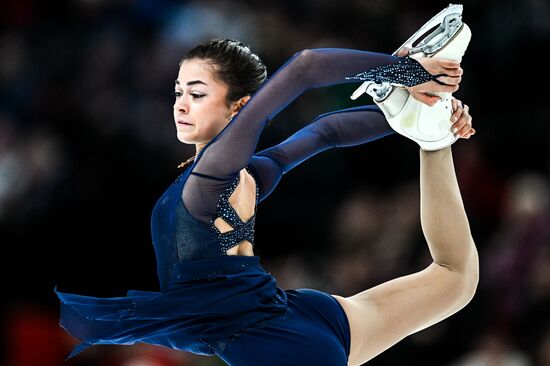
(443, 27)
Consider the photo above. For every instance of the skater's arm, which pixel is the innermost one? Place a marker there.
(306, 70)
(219, 162)
(347, 127)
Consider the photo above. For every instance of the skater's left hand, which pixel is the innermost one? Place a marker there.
(426, 92)
(462, 121)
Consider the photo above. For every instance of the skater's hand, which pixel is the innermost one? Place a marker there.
(462, 121)
(425, 92)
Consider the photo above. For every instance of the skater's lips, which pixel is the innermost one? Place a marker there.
(182, 122)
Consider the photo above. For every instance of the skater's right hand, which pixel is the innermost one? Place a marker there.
(425, 92)
(461, 119)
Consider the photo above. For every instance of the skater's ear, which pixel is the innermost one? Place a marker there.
(237, 105)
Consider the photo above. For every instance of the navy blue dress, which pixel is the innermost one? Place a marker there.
(214, 303)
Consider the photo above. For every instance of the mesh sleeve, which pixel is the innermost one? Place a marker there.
(219, 162)
(343, 128)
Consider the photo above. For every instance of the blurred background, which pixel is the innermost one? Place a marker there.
(88, 144)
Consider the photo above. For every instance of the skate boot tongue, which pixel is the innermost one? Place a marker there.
(430, 127)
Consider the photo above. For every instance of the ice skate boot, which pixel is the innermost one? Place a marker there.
(444, 36)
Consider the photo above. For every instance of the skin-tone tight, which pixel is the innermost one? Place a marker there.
(383, 315)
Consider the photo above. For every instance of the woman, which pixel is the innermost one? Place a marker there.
(215, 297)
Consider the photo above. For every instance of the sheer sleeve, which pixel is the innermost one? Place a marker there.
(343, 128)
(219, 162)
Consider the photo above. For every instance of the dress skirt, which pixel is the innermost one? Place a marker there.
(229, 306)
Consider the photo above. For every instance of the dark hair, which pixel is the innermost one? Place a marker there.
(235, 64)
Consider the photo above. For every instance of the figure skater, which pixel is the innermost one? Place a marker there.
(215, 296)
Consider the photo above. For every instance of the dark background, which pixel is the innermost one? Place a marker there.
(88, 144)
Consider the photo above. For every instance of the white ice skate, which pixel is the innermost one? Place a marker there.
(430, 127)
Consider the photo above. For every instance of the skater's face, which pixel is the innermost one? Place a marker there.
(201, 109)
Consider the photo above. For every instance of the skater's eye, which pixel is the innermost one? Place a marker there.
(178, 94)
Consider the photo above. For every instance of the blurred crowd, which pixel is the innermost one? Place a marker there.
(87, 146)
